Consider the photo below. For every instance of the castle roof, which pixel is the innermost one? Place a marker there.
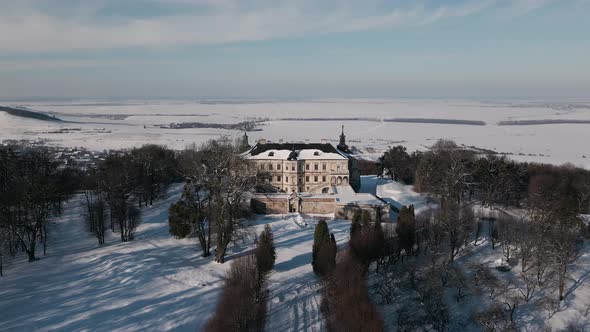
(303, 151)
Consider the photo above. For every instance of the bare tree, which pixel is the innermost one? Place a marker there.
(96, 217)
(457, 222)
(508, 231)
(445, 171)
(36, 199)
(237, 309)
(220, 171)
(190, 214)
(563, 252)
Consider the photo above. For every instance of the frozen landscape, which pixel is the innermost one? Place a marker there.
(158, 283)
(154, 283)
(542, 131)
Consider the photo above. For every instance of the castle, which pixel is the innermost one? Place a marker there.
(314, 178)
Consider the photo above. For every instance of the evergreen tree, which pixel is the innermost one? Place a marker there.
(265, 251)
(406, 228)
(379, 236)
(355, 226)
(321, 237)
(366, 219)
(181, 216)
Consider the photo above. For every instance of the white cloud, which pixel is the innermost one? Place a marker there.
(27, 27)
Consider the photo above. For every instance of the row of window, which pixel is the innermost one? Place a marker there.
(316, 167)
(315, 178)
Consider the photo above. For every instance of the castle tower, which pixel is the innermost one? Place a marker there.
(244, 144)
(342, 145)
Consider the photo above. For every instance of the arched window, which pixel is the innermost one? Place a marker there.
(325, 190)
(339, 181)
(345, 180)
(333, 180)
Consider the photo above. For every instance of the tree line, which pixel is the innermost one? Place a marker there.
(32, 190)
(452, 172)
(532, 220)
(34, 185)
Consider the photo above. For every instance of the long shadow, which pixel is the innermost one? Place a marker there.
(294, 262)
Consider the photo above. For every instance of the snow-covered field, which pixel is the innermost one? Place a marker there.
(158, 283)
(133, 123)
(154, 283)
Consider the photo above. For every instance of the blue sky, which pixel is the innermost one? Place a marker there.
(294, 49)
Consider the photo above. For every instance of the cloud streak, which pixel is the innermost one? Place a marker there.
(28, 26)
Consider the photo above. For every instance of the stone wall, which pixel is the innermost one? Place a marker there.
(269, 205)
(318, 205)
(346, 211)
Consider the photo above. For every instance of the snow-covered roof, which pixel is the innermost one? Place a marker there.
(294, 151)
(346, 195)
(306, 154)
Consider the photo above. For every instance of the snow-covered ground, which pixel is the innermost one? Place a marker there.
(132, 123)
(154, 283)
(529, 316)
(158, 283)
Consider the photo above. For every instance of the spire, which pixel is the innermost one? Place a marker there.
(244, 144)
(342, 145)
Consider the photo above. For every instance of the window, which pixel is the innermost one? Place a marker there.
(324, 166)
(307, 167)
(324, 178)
(270, 167)
(315, 179)
(262, 167)
(338, 167)
(287, 179)
(279, 167)
(307, 178)
(316, 167)
(279, 178)
(293, 167)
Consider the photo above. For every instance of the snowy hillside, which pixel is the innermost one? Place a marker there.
(154, 283)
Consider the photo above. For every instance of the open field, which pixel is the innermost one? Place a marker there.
(370, 125)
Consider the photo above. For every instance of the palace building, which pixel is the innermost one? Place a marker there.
(306, 167)
(311, 178)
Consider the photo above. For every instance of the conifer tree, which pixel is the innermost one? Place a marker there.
(321, 238)
(366, 218)
(265, 251)
(406, 228)
(355, 226)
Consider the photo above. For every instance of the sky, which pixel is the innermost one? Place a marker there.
(108, 49)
